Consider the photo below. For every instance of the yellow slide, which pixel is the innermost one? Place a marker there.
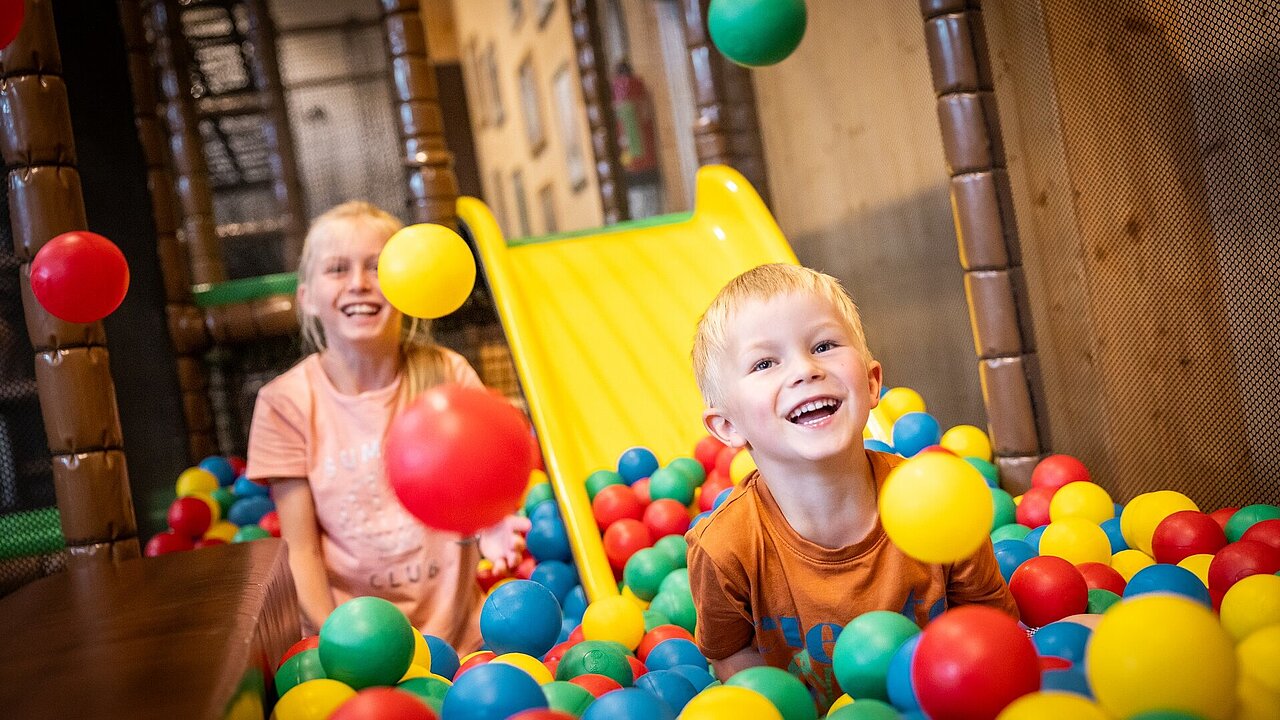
(600, 324)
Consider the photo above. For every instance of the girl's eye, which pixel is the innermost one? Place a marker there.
(762, 365)
(335, 269)
(824, 347)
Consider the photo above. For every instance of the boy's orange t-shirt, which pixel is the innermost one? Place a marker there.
(756, 582)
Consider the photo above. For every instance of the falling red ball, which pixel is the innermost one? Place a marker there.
(11, 15)
(79, 277)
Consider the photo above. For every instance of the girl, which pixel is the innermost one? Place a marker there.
(317, 437)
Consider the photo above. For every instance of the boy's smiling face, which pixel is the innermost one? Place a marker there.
(796, 386)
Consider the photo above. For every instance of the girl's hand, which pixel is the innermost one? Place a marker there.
(502, 543)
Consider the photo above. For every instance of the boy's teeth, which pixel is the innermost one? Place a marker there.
(811, 405)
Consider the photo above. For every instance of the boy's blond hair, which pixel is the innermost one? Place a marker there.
(424, 361)
(762, 283)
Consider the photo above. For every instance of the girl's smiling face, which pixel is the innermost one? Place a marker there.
(342, 291)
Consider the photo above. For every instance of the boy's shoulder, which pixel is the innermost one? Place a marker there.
(726, 528)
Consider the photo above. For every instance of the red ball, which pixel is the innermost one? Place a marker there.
(535, 450)
(524, 570)
(623, 539)
(1186, 533)
(271, 523)
(576, 636)
(79, 277)
(724, 459)
(713, 486)
(167, 542)
(558, 651)
(637, 667)
(615, 502)
(1033, 511)
(657, 635)
(1098, 576)
(208, 542)
(458, 458)
(552, 665)
(383, 703)
(1266, 532)
(1239, 560)
(1222, 515)
(971, 662)
(596, 684)
(666, 517)
(11, 14)
(706, 452)
(307, 643)
(1047, 589)
(190, 516)
(641, 490)
(936, 449)
(237, 464)
(1057, 470)
(476, 660)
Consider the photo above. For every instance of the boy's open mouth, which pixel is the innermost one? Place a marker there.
(814, 411)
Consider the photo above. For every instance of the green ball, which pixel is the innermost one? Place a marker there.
(676, 548)
(989, 471)
(1010, 531)
(1005, 511)
(653, 618)
(779, 687)
(596, 656)
(690, 468)
(678, 607)
(567, 697)
(676, 581)
(1165, 715)
(671, 484)
(226, 497)
(426, 688)
(1100, 601)
(366, 641)
(298, 669)
(537, 495)
(756, 32)
(601, 479)
(247, 533)
(646, 570)
(862, 653)
(866, 709)
(1248, 516)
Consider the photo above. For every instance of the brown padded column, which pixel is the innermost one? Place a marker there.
(186, 326)
(592, 59)
(987, 234)
(727, 131)
(73, 379)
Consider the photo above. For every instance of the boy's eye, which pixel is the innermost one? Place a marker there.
(762, 365)
(824, 346)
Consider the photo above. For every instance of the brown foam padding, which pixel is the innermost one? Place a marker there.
(47, 332)
(952, 62)
(420, 118)
(36, 127)
(167, 637)
(112, 551)
(992, 314)
(413, 78)
(44, 202)
(191, 372)
(404, 33)
(930, 8)
(966, 141)
(268, 317)
(35, 49)
(979, 226)
(99, 481)
(1015, 472)
(173, 268)
(186, 328)
(77, 400)
(1010, 414)
(275, 316)
(197, 410)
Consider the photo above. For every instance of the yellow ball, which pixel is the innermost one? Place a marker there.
(614, 618)
(1076, 540)
(1017, 500)
(222, 530)
(967, 441)
(1259, 657)
(898, 402)
(1162, 652)
(1141, 516)
(421, 651)
(426, 270)
(1198, 564)
(727, 702)
(528, 663)
(1084, 500)
(936, 507)
(628, 594)
(1251, 604)
(215, 510)
(1052, 705)
(195, 480)
(415, 671)
(742, 466)
(1129, 562)
(500, 583)
(1255, 701)
(839, 703)
(537, 477)
(312, 700)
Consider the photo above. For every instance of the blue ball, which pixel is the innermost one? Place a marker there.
(520, 616)
(877, 445)
(444, 659)
(545, 510)
(721, 497)
(249, 510)
(220, 468)
(1064, 640)
(1033, 538)
(567, 626)
(699, 518)
(557, 576)
(672, 652)
(244, 487)
(1112, 528)
(575, 603)
(1072, 680)
(902, 691)
(547, 540)
(628, 704)
(1162, 578)
(1010, 554)
(669, 686)
(493, 691)
(914, 432)
(697, 675)
(636, 463)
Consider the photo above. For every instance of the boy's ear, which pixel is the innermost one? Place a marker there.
(875, 380)
(722, 428)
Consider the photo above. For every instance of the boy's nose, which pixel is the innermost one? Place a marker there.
(807, 371)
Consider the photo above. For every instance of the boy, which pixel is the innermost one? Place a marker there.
(797, 549)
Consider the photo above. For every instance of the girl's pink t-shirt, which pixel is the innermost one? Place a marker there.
(304, 428)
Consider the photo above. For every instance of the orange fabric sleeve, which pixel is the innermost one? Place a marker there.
(977, 581)
(724, 614)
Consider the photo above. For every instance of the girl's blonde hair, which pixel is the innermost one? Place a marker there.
(424, 361)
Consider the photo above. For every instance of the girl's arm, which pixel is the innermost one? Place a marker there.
(299, 528)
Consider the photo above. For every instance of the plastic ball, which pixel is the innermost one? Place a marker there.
(989, 471)
(1114, 535)
(1162, 652)
(599, 480)
(1237, 561)
(967, 441)
(596, 684)
(537, 495)
(665, 517)
(458, 458)
(658, 634)
(742, 466)
(382, 703)
(635, 463)
(249, 510)
(1163, 578)
(1057, 471)
(1266, 532)
(706, 452)
(557, 576)
(313, 700)
(675, 548)
(615, 619)
(1050, 704)
(1062, 639)
(864, 709)
(1012, 531)
(1075, 540)
(249, 533)
(672, 652)
(1129, 562)
(712, 489)
(972, 661)
(1259, 656)
(1144, 514)
(596, 657)
(79, 277)
(936, 508)
(270, 521)
(531, 665)
(575, 603)
(548, 539)
(298, 669)
(426, 271)
(1033, 511)
(1048, 588)
(225, 497)
(1100, 600)
(1032, 538)
(613, 503)
(1083, 500)
(623, 539)
(222, 530)
(674, 485)
(754, 33)
(566, 697)
(676, 606)
(1251, 604)
(726, 702)
(645, 571)
(898, 402)
(1198, 565)
(1102, 575)
(444, 659)
(493, 691)
(521, 617)
(1005, 512)
(690, 468)
(668, 686)
(782, 689)
(190, 516)
(167, 542)
(628, 704)
(1010, 554)
(309, 642)
(914, 432)
(195, 480)
(860, 659)
(244, 487)
(1185, 533)
(221, 468)
(366, 641)
(878, 446)
(1248, 516)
